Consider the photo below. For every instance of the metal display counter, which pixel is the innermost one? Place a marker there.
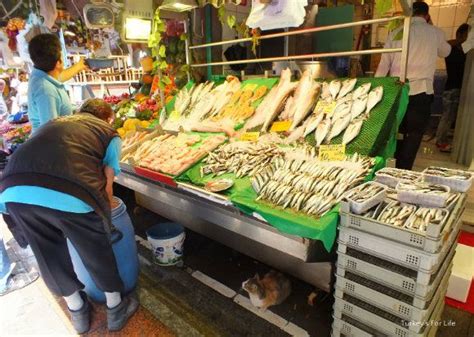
(217, 219)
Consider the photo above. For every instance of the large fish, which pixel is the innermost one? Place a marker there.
(334, 87)
(274, 108)
(346, 98)
(342, 110)
(352, 131)
(308, 95)
(268, 103)
(347, 86)
(322, 131)
(358, 106)
(312, 123)
(375, 96)
(361, 90)
(325, 93)
(338, 126)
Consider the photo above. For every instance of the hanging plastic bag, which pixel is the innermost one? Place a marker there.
(48, 12)
(277, 14)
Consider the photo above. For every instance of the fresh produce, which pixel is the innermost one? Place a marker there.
(309, 185)
(18, 135)
(113, 100)
(241, 158)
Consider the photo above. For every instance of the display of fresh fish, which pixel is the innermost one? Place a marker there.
(274, 108)
(375, 96)
(347, 86)
(352, 131)
(342, 110)
(322, 131)
(338, 126)
(334, 87)
(308, 97)
(346, 98)
(325, 93)
(361, 90)
(312, 123)
(358, 106)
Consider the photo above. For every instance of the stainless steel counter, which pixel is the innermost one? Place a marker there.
(222, 222)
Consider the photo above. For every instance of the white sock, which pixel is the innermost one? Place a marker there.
(112, 299)
(74, 302)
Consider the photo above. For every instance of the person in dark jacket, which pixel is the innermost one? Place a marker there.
(58, 185)
(452, 90)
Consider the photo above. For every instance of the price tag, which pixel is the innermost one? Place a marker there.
(332, 152)
(280, 126)
(174, 115)
(250, 136)
(251, 87)
(325, 107)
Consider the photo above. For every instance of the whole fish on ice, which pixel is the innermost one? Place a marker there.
(338, 126)
(347, 86)
(352, 131)
(361, 90)
(358, 106)
(375, 96)
(308, 95)
(312, 123)
(325, 93)
(334, 87)
(342, 110)
(322, 131)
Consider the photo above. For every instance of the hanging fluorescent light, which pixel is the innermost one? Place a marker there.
(178, 5)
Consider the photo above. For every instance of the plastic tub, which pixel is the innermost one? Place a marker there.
(125, 251)
(167, 241)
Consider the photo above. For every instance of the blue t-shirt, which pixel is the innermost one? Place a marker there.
(47, 99)
(40, 196)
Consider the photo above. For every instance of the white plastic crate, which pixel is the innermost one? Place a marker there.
(395, 252)
(405, 306)
(430, 242)
(423, 199)
(382, 177)
(362, 207)
(455, 184)
(381, 321)
(387, 273)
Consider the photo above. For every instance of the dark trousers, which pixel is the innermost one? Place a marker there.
(46, 231)
(413, 127)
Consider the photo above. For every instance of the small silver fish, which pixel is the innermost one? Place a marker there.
(322, 131)
(374, 97)
(334, 87)
(361, 90)
(347, 86)
(352, 131)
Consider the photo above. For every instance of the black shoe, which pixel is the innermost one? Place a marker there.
(81, 319)
(117, 317)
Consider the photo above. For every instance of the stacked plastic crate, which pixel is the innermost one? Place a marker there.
(392, 280)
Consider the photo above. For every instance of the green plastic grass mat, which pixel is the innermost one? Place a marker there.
(287, 221)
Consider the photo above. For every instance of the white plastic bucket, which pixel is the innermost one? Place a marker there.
(167, 241)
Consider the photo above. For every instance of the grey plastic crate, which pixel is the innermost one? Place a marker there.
(405, 306)
(396, 252)
(382, 322)
(431, 241)
(387, 273)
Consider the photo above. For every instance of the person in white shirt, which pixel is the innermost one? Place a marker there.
(3, 105)
(427, 43)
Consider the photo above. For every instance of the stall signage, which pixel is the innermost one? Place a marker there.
(281, 126)
(250, 136)
(332, 152)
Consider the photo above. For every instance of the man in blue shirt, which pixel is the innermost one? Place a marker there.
(59, 184)
(47, 96)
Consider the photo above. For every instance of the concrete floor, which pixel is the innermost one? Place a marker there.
(176, 303)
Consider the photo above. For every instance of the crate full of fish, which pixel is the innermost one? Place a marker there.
(392, 176)
(457, 180)
(382, 321)
(423, 194)
(420, 227)
(385, 296)
(365, 196)
(395, 252)
(403, 279)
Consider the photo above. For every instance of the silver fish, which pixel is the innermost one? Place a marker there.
(347, 86)
(325, 93)
(342, 110)
(358, 106)
(346, 98)
(313, 123)
(322, 131)
(361, 90)
(352, 131)
(338, 126)
(375, 96)
(334, 88)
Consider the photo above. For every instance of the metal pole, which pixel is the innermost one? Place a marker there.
(208, 39)
(300, 31)
(287, 42)
(405, 47)
(186, 48)
(302, 57)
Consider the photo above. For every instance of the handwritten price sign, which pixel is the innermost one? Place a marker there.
(332, 152)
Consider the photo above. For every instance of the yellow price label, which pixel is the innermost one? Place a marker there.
(280, 126)
(332, 152)
(325, 107)
(252, 87)
(250, 136)
(174, 115)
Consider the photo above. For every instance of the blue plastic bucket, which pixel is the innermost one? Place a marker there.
(167, 241)
(125, 251)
